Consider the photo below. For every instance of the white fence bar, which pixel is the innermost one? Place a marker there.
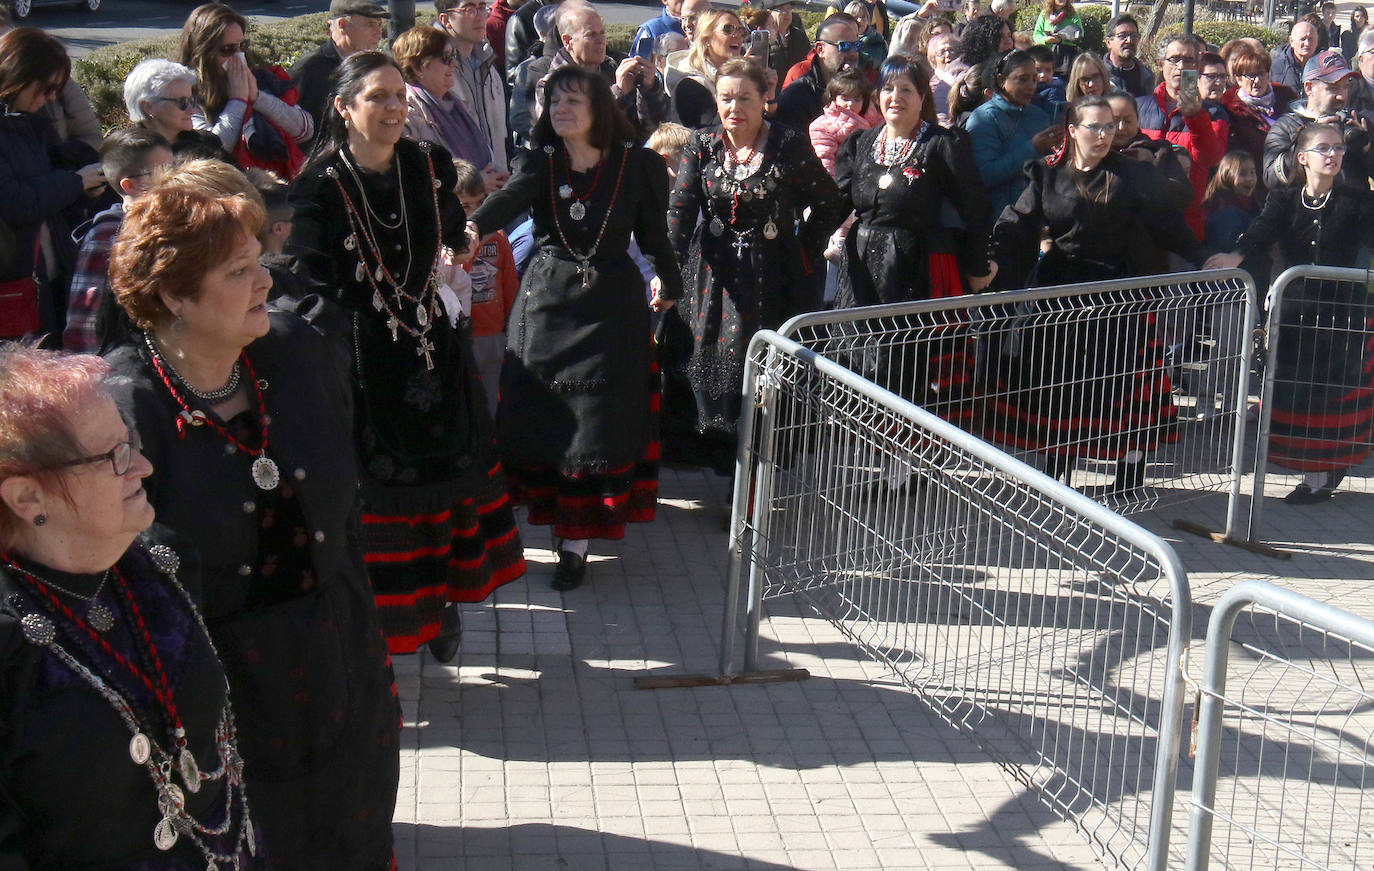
(1319, 378)
(1044, 625)
(1074, 379)
(1286, 724)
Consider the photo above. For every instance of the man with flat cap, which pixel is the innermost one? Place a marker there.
(354, 26)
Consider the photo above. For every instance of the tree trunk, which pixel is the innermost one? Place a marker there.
(1156, 20)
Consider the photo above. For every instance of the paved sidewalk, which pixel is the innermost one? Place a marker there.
(534, 750)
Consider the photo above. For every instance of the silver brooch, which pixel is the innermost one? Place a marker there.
(165, 559)
(37, 629)
(548, 149)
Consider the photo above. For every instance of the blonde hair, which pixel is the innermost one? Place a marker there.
(1080, 68)
(706, 28)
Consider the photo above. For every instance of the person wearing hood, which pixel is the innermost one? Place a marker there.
(40, 179)
(1326, 84)
(526, 75)
(477, 80)
(837, 48)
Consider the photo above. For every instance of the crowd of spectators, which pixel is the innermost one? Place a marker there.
(354, 313)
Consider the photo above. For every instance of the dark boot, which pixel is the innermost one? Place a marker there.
(571, 571)
(444, 646)
(1130, 477)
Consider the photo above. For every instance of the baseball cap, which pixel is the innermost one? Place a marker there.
(365, 8)
(1327, 66)
(1366, 41)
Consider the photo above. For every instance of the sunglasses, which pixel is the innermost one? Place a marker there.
(841, 46)
(121, 456)
(733, 29)
(229, 49)
(182, 103)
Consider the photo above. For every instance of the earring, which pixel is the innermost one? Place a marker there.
(40, 519)
(178, 324)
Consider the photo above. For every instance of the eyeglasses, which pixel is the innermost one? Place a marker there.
(472, 9)
(1188, 62)
(1250, 77)
(1211, 75)
(1326, 150)
(229, 49)
(841, 46)
(1101, 131)
(733, 29)
(121, 456)
(448, 58)
(182, 103)
(1125, 36)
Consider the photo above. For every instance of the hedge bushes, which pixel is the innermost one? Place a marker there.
(1219, 33)
(103, 71)
(1095, 20)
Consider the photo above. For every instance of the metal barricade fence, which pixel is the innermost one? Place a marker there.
(1285, 735)
(1115, 383)
(1035, 620)
(1317, 397)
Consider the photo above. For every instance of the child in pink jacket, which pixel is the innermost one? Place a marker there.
(846, 111)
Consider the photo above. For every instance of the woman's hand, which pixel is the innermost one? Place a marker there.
(1053, 39)
(656, 301)
(770, 94)
(242, 85)
(494, 179)
(981, 283)
(1046, 140)
(928, 9)
(1223, 261)
(92, 178)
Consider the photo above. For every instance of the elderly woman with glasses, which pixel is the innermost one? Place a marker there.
(159, 96)
(252, 110)
(119, 748)
(247, 417)
(433, 113)
(1255, 102)
(40, 179)
(1083, 387)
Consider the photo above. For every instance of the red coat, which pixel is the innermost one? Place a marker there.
(1203, 136)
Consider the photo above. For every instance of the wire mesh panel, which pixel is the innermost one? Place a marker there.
(1132, 391)
(1316, 433)
(1038, 622)
(1284, 742)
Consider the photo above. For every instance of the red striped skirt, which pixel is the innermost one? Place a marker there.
(420, 562)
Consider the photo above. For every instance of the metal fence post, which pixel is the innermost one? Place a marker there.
(760, 489)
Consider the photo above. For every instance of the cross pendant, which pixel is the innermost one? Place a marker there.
(423, 351)
(740, 245)
(586, 270)
(393, 325)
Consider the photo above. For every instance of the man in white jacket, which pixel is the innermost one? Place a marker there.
(477, 80)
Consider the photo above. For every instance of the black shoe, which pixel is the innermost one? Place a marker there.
(1060, 468)
(1305, 495)
(571, 571)
(1130, 477)
(444, 646)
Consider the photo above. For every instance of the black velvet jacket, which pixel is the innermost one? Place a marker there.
(307, 665)
(70, 796)
(423, 431)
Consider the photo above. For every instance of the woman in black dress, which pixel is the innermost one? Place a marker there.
(119, 750)
(1083, 384)
(1322, 422)
(246, 416)
(372, 212)
(897, 177)
(751, 262)
(578, 415)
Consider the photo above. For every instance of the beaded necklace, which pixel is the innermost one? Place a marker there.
(894, 154)
(577, 210)
(98, 616)
(39, 629)
(361, 238)
(584, 264)
(264, 470)
(732, 174)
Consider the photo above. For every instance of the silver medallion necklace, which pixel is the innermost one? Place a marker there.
(98, 617)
